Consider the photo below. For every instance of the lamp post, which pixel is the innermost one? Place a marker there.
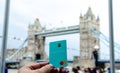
(96, 54)
(111, 36)
(96, 47)
(4, 41)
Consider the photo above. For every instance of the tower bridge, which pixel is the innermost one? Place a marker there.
(37, 35)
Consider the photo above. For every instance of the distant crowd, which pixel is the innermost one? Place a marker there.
(78, 69)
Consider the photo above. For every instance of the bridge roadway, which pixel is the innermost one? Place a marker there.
(60, 31)
(108, 61)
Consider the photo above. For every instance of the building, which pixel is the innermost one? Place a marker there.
(88, 41)
(35, 43)
(87, 38)
(9, 52)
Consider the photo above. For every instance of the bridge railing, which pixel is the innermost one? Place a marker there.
(19, 53)
(106, 41)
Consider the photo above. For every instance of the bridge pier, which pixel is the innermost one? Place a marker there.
(85, 63)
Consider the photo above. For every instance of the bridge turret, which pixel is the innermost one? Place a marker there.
(35, 43)
(87, 39)
(98, 19)
(89, 15)
(81, 17)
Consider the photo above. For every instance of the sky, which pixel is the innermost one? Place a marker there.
(54, 14)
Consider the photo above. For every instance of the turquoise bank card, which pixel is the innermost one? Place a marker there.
(58, 53)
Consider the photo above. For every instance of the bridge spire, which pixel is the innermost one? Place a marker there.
(89, 14)
(87, 39)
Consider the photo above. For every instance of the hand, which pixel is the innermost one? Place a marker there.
(38, 68)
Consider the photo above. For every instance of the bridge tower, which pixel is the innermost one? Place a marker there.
(35, 43)
(87, 40)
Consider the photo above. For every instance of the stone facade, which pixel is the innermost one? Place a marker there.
(88, 41)
(35, 43)
(9, 52)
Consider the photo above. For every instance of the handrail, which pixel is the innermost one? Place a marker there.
(9, 58)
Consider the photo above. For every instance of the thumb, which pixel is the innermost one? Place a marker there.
(46, 68)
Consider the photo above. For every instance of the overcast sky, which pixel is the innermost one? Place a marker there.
(54, 14)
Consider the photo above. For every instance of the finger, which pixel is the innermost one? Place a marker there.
(45, 69)
(38, 65)
(54, 70)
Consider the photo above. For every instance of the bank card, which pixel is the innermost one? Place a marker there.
(58, 53)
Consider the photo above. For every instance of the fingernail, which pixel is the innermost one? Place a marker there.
(51, 65)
